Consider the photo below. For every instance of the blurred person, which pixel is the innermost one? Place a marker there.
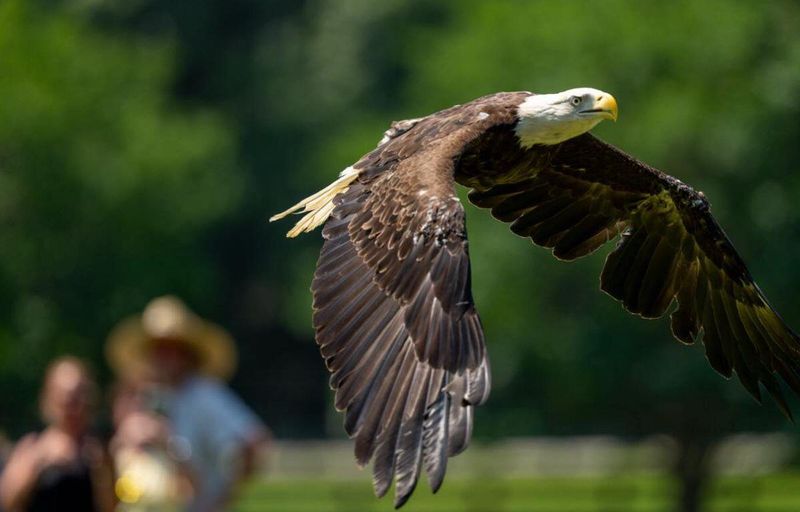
(63, 467)
(217, 435)
(150, 477)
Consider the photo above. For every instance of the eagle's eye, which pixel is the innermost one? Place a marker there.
(575, 101)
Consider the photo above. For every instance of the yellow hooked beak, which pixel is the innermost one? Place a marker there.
(606, 106)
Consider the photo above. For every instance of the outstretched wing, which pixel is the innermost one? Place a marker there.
(393, 308)
(584, 192)
(397, 326)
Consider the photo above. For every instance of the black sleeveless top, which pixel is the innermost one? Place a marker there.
(63, 487)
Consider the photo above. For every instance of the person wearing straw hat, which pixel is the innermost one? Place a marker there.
(212, 430)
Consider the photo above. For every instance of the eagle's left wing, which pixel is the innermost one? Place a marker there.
(393, 308)
(585, 192)
(397, 326)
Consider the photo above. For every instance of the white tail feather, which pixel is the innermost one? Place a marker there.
(318, 206)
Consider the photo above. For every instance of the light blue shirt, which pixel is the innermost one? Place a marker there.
(210, 423)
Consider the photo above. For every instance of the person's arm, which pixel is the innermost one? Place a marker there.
(238, 435)
(254, 452)
(248, 456)
(102, 474)
(20, 474)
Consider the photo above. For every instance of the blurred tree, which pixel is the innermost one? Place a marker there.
(107, 192)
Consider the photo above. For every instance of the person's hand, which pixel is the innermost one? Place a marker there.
(53, 448)
(32, 454)
(141, 429)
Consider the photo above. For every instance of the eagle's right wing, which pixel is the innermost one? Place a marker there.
(671, 248)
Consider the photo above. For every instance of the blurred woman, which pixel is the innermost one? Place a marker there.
(62, 467)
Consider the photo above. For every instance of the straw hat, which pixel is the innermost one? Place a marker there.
(168, 319)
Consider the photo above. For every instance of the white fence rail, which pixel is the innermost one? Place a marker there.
(748, 454)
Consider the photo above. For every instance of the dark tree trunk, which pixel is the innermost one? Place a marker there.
(691, 469)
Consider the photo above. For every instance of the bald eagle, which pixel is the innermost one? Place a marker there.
(393, 310)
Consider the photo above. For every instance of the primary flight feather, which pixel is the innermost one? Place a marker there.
(393, 308)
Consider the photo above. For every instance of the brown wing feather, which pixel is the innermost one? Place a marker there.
(582, 193)
(393, 308)
(404, 397)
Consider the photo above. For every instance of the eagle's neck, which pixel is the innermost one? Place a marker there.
(546, 119)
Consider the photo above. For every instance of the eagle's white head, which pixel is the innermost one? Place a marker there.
(553, 118)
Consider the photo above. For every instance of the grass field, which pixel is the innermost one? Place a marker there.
(625, 492)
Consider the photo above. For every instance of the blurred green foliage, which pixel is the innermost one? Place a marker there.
(108, 188)
(144, 144)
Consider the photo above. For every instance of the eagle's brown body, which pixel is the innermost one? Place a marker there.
(393, 308)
